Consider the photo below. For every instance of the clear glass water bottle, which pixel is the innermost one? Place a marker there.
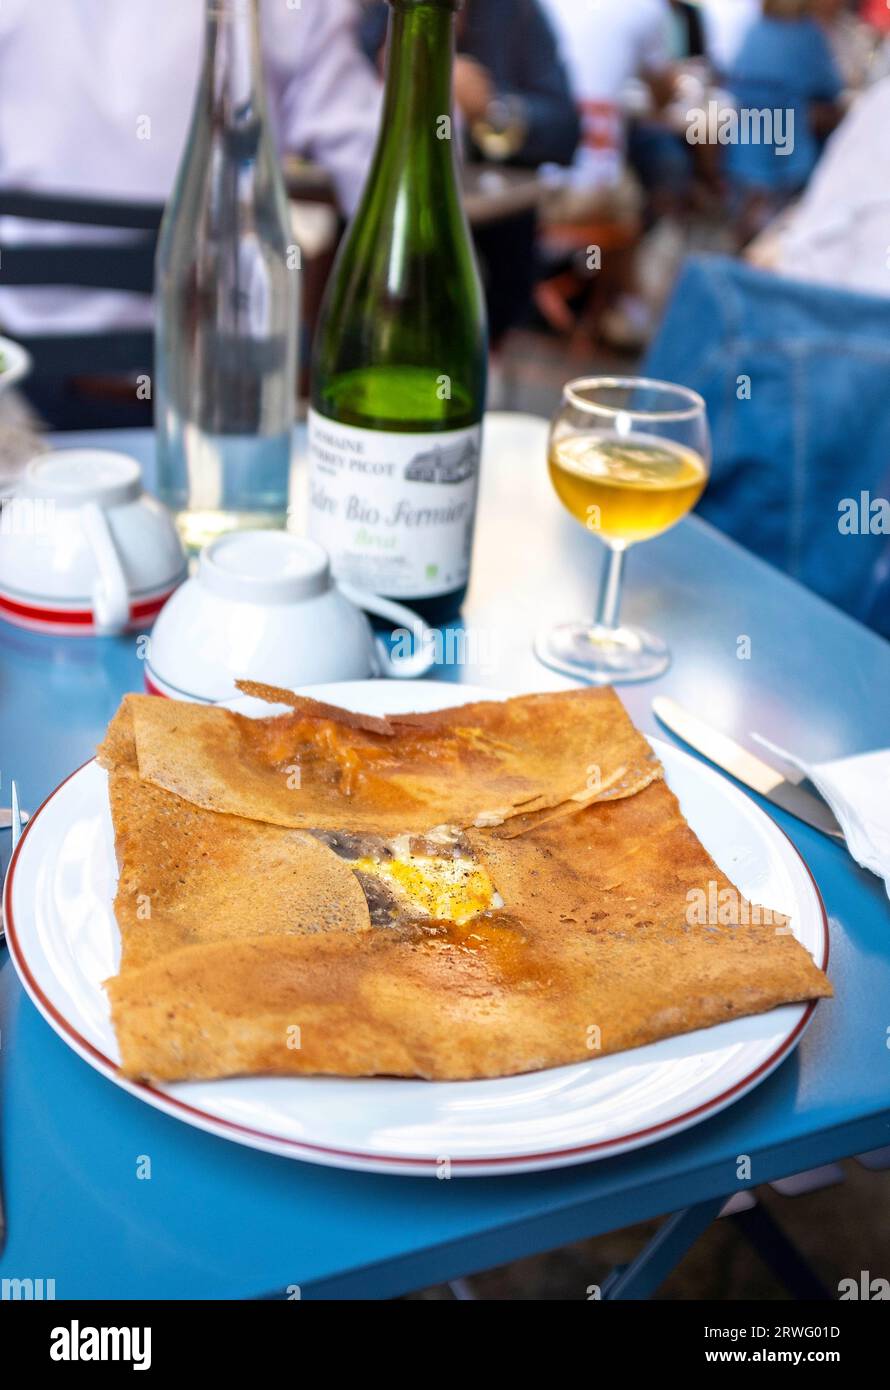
(227, 301)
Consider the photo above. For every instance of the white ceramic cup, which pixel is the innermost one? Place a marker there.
(263, 606)
(83, 549)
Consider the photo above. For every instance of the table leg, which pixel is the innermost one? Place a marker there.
(648, 1270)
(780, 1256)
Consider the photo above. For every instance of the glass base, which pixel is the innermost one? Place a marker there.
(601, 655)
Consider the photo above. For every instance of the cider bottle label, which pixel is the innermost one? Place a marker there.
(394, 510)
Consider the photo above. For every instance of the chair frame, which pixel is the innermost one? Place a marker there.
(113, 265)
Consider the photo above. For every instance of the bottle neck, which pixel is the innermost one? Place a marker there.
(233, 75)
(417, 100)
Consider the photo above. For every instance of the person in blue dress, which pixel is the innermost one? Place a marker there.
(786, 87)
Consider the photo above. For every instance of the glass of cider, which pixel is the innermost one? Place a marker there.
(628, 457)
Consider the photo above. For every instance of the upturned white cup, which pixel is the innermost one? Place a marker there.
(263, 606)
(83, 549)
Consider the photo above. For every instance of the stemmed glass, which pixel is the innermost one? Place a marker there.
(628, 457)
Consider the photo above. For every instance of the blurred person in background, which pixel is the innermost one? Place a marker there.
(838, 233)
(604, 47)
(96, 99)
(666, 165)
(507, 77)
(607, 47)
(726, 22)
(851, 40)
(696, 70)
(687, 30)
(875, 15)
(513, 101)
(784, 68)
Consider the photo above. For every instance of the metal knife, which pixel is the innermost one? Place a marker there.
(747, 768)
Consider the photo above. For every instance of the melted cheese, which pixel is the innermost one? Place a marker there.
(449, 889)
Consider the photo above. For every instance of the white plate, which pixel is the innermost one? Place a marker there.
(15, 363)
(64, 942)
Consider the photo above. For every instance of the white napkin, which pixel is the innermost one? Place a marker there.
(858, 791)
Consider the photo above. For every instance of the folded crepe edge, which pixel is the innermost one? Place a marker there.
(121, 746)
(200, 1040)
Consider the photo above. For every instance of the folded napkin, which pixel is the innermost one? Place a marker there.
(858, 791)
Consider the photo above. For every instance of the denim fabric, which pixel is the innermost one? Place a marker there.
(815, 431)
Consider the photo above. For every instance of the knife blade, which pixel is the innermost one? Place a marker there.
(6, 818)
(746, 767)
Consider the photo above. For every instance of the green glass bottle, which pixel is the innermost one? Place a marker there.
(400, 359)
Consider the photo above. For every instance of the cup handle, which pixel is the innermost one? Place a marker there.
(111, 596)
(423, 655)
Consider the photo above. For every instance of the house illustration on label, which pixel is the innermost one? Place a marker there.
(452, 464)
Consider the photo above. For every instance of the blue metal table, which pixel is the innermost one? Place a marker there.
(219, 1221)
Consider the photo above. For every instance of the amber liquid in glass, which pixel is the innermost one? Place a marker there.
(626, 489)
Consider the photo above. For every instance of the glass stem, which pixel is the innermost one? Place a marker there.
(610, 589)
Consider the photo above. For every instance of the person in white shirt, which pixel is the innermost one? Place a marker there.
(96, 98)
(837, 234)
(726, 24)
(604, 46)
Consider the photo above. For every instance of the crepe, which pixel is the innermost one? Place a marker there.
(591, 940)
(512, 990)
(387, 1005)
(625, 864)
(320, 767)
(189, 876)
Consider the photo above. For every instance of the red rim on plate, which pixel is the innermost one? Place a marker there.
(165, 1101)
